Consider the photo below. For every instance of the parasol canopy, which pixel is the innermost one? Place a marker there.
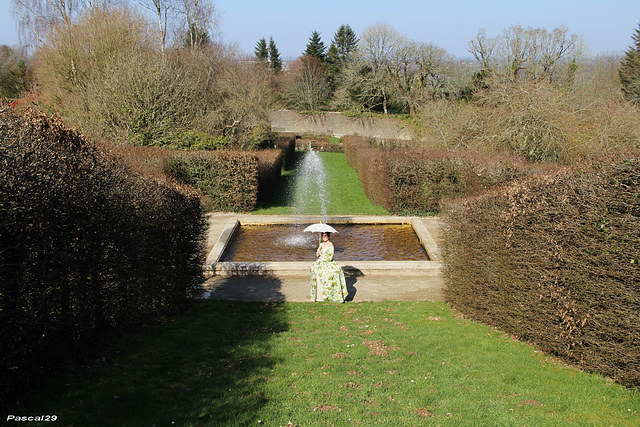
(320, 228)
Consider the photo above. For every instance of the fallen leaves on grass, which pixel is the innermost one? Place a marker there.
(424, 413)
(379, 348)
(351, 385)
(380, 384)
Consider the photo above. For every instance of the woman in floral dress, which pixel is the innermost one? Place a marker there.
(327, 278)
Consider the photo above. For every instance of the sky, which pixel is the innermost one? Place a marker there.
(606, 26)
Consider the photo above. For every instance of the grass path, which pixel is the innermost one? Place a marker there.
(394, 363)
(346, 196)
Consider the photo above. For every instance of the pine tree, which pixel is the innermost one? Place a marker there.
(340, 52)
(275, 63)
(333, 66)
(346, 42)
(261, 51)
(315, 47)
(629, 71)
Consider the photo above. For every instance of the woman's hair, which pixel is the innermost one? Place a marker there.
(327, 233)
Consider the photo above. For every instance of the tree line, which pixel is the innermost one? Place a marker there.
(152, 72)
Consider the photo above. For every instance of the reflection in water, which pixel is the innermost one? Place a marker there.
(354, 242)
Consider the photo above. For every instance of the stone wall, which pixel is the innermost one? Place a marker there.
(337, 125)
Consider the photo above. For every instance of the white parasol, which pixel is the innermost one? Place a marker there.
(320, 228)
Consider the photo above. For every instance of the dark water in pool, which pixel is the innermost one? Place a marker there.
(354, 242)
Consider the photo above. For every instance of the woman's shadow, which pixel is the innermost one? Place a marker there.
(351, 275)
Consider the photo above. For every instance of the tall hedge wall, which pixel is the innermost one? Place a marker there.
(286, 142)
(86, 247)
(269, 171)
(413, 181)
(555, 260)
(228, 178)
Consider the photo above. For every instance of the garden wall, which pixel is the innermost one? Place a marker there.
(338, 125)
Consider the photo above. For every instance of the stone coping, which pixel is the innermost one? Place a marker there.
(214, 267)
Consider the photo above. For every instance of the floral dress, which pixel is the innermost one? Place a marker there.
(327, 278)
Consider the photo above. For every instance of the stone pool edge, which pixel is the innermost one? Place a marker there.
(213, 266)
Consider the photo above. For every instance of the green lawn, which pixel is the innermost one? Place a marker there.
(346, 196)
(395, 363)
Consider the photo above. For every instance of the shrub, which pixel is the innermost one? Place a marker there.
(419, 180)
(195, 140)
(269, 170)
(86, 247)
(553, 259)
(287, 143)
(415, 181)
(229, 179)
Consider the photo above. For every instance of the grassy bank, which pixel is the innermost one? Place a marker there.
(397, 363)
(345, 193)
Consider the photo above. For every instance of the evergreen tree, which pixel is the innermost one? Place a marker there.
(275, 63)
(261, 51)
(629, 71)
(333, 67)
(315, 47)
(340, 52)
(346, 42)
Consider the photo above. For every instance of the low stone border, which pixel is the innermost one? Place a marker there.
(213, 266)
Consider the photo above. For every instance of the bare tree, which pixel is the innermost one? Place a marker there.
(379, 45)
(36, 18)
(307, 84)
(482, 48)
(199, 21)
(161, 10)
(526, 53)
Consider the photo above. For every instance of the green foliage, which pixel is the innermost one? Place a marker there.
(86, 248)
(261, 51)
(275, 62)
(13, 74)
(345, 42)
(340, 53)
(260, 136)
(231, 363)
(192, 139)
(629, 71)
(547, 260)
(229, 179)
(315, 47)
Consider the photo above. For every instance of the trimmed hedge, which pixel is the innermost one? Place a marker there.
(555, 260)
(86, 247)
(286, 142)
(229, 179)
(269, 171)
(412, 181)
